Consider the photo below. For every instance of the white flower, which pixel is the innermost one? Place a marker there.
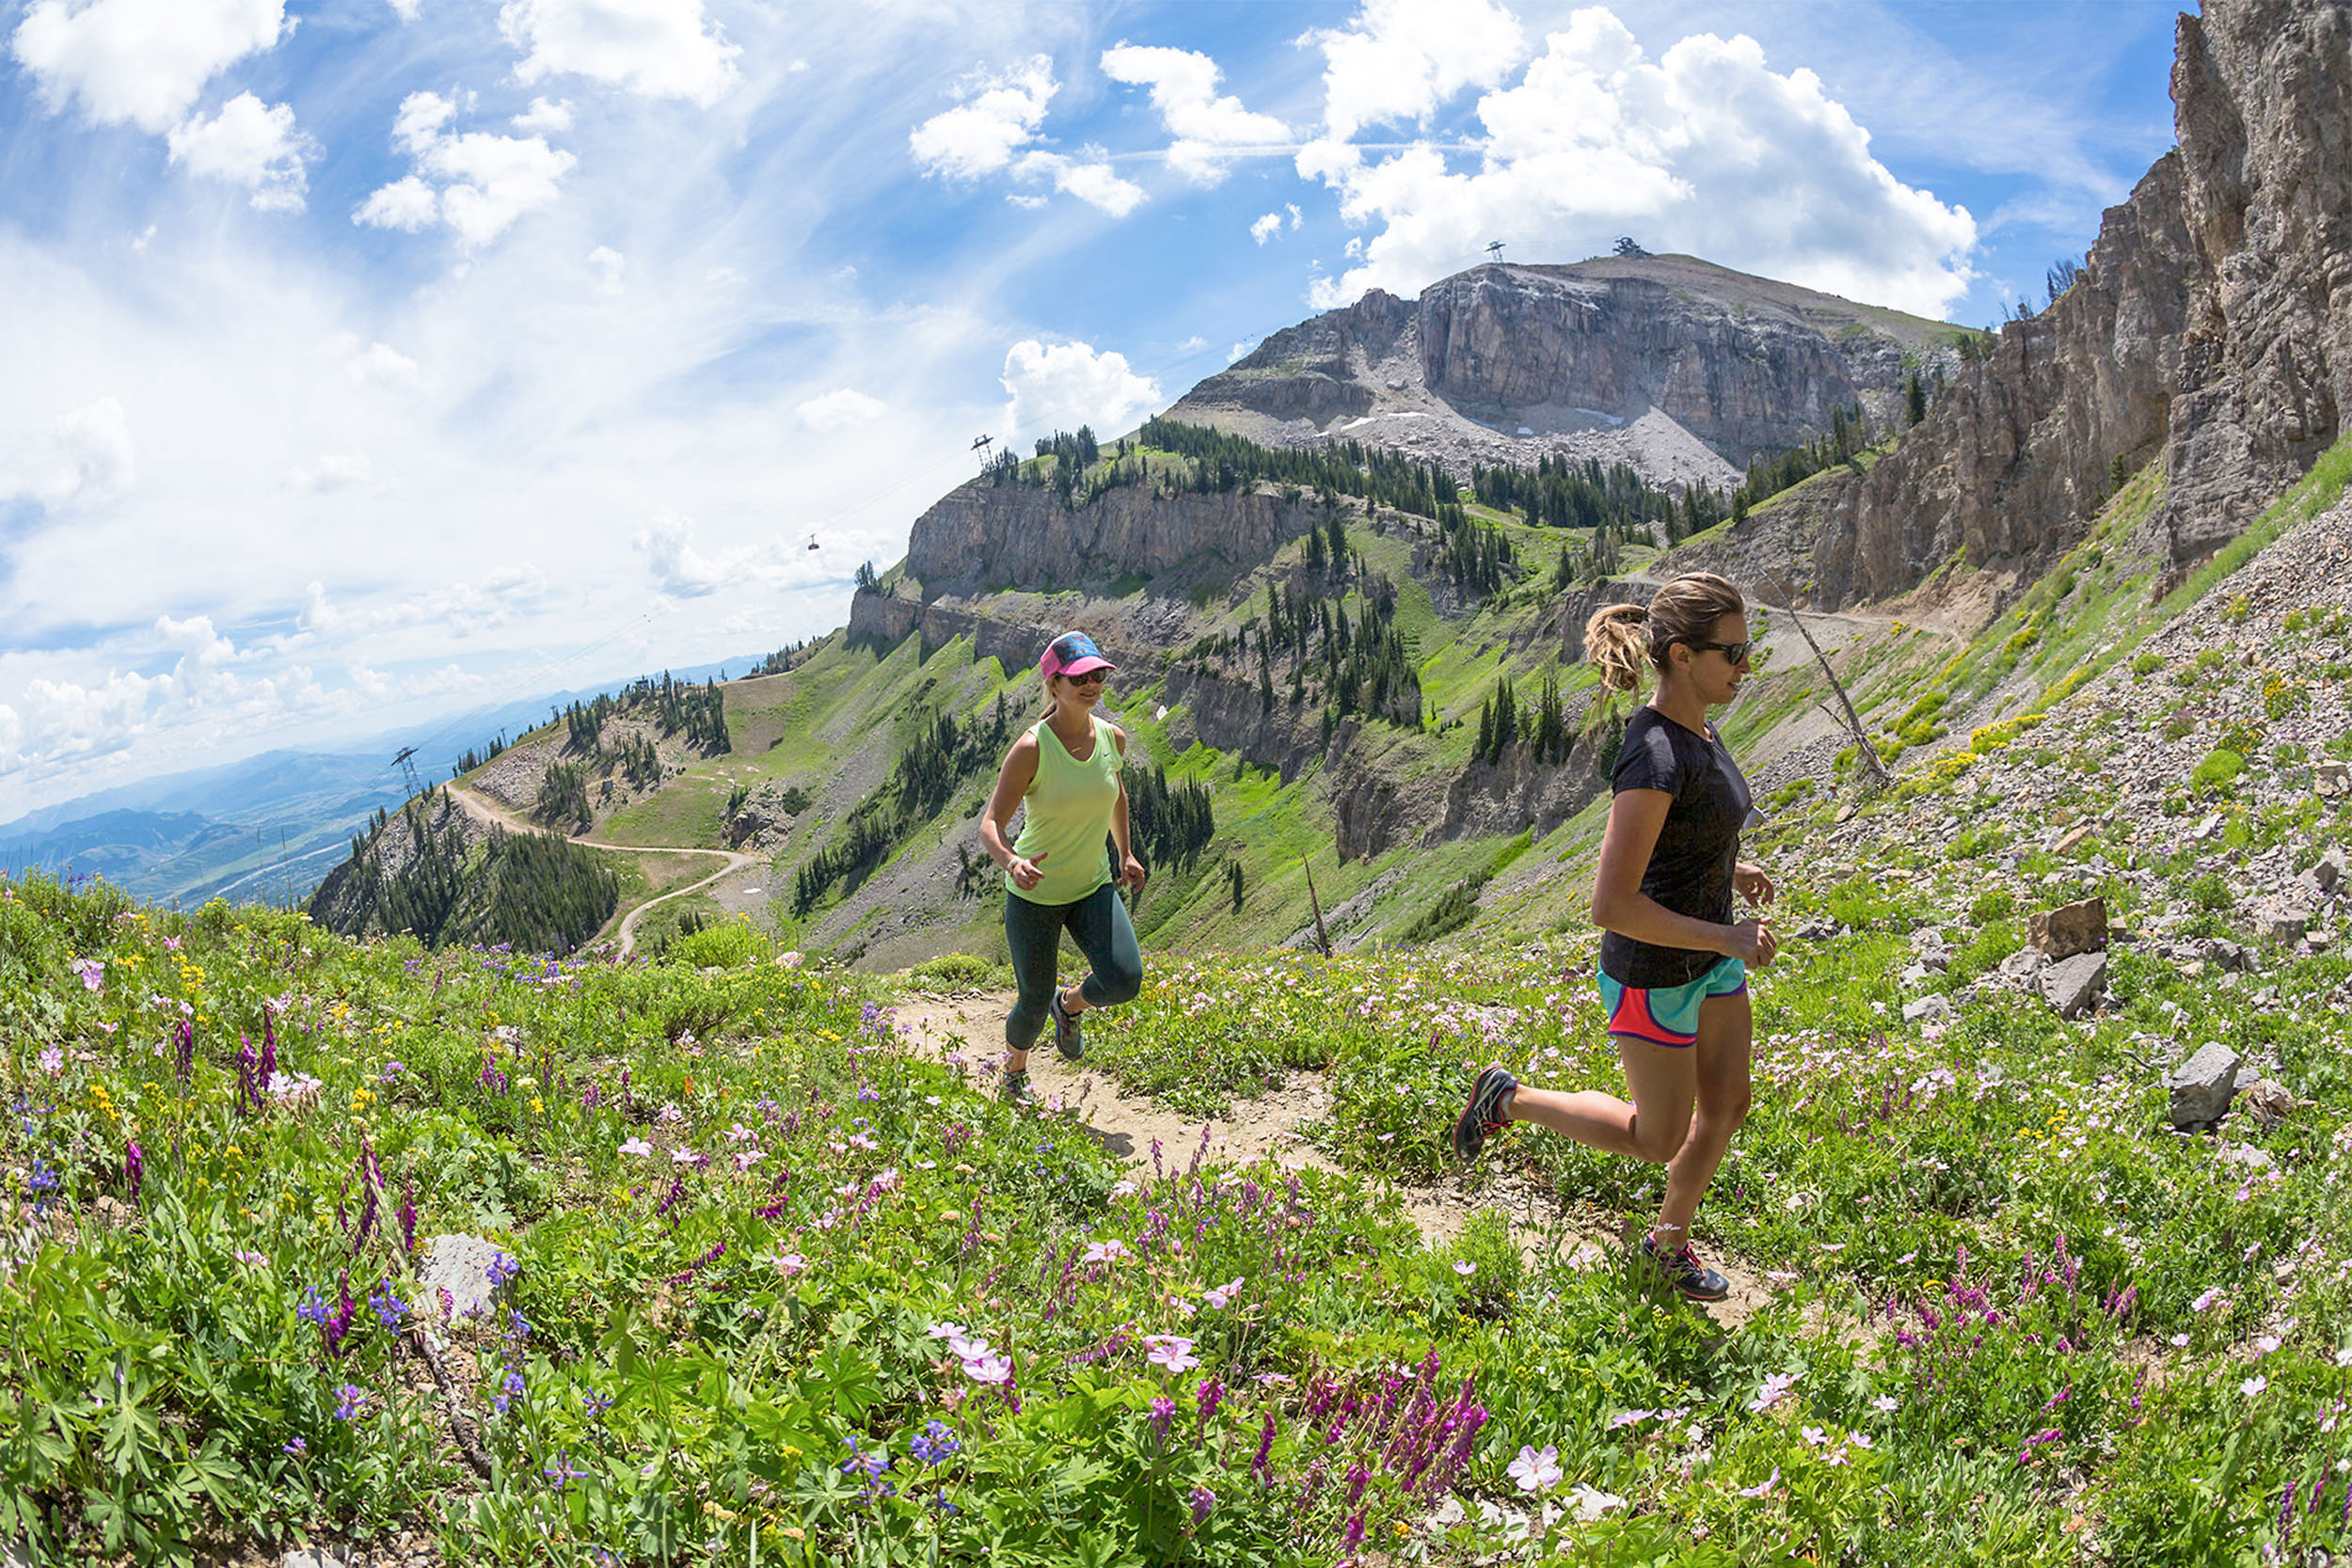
(2253, 1385)
(637, 1146)
(2267, 1343)
(790, 1263)
(1775, 1388)
(1883, 1404)
(1591, 1504)
(1221, 1294)
(1466, 1270)
(1534, 1471)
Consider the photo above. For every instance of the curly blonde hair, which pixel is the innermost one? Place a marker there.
(1621, 638)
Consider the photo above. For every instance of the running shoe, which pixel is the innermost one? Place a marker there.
(1482, 1117)
(1014, 1090)
(1686, 1274)
(1066, 1036)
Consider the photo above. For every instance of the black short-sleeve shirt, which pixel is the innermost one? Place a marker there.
(1690, 869)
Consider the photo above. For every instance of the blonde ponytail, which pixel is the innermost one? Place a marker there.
(1620, 637)
(1615, 642)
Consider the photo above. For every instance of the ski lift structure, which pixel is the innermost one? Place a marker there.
(1494, 252)
(812, 541)
(406, 762)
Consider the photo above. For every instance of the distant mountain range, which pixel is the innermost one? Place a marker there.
(266, 828)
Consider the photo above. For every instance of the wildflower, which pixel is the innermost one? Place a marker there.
(935, 1444)
(1884, 1403)
(2179, 1342)
(1466, 1269)
(746, 1158)
(790, 1263)
(1860, 1440)
(2267, 1343)
(1630, 1418)
(1775, 1388)
(1203, 1500)
(391, 1072)
(1171, 1351)
(502, 1269)
(989, 1367)
(2205, 1300)
(1106, 1252)
(1163, 1414)
(93, 973)
(2253, 1385)
(637, 1146)
(133, 1170)
(52, 1061)
(312, 1307)
(684, 1157)
(1762, 1487)
(349, 1398)
(295, 1445)
(1217, 1298)
(561, 1472)
(1535, 1469)
(1814, 1436)
(1212, 1393)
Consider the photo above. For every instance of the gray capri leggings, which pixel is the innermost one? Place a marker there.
(1033, 932)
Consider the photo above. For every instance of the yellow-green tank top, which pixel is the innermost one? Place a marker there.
(1068, 815)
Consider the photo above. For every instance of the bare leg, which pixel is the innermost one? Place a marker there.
(1652, 1127)
(1727, 1042)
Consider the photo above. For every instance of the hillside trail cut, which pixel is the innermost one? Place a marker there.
(970, 1027)
(732, 860)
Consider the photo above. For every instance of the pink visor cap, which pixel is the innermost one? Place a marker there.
(1073, 652)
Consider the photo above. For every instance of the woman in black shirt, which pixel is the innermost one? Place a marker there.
(1673, 961)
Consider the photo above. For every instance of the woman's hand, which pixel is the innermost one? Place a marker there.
(1751, 941)
(1751, 882)
(1131, 874)
(1025, 874)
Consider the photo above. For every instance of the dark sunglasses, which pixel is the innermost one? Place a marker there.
(1736, 652)
(1093, 678)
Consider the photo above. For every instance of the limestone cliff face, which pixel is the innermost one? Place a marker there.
(2212, 329)
(981, 537)
(1743, 364)
(1680, 368)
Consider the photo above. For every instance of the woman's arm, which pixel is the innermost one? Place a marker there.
(1013, 783)
(1619, 904)
(1131, 872)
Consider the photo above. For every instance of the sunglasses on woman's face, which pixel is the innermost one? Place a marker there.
(1093, 678)
(1736, 652)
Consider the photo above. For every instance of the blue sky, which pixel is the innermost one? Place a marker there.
(378, 358)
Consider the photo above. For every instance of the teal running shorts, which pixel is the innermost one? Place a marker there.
(1669, 1016)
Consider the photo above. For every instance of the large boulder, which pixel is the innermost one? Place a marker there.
(2070, 928)
(2199, 1088)
(2072, 985)
(458, 1275)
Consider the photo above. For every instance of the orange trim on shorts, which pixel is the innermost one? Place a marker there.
(1634, 1017)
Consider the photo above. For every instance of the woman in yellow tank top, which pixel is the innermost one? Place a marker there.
(1058, 874)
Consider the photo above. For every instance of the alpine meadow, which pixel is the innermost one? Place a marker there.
(612, 1159)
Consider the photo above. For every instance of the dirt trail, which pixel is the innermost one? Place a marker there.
(733, 861)
(971, 1026)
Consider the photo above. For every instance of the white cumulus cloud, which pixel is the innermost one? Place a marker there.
(611, 267)
(1091, 180)
(654, 48)
(675, 566)
(139, 62)
(1398, 60)
(839, 409)
(1270, 223)
(1063, 386)
(1210, 128)
(249, 143)
(85, 460)
(475, 183)
(545, 114)
(998, 115)
(1704, 149)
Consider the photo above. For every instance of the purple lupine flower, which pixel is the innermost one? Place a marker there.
(408, 1221)
(133, 1170)
(935, 1444)
(1163, 1416)
(1203, 1500)
(1212, 1394)
(184, 1057)
(390, 1309)
(561, 1472)
(349, 1397)
(502, 1269)
(312, 1307)
(1266, 1449)
(295, 1445)
(339, 1326)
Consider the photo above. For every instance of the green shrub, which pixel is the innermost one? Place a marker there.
(723, 945)
(2146, 665)
(2220, 766)
(1990, 904)
(2212, 891)
(958, 972)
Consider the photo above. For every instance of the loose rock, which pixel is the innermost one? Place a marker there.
(2070, 928)
(2072, 985)
(2201, 1087)
(1927, 1007)
(460, 1264)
